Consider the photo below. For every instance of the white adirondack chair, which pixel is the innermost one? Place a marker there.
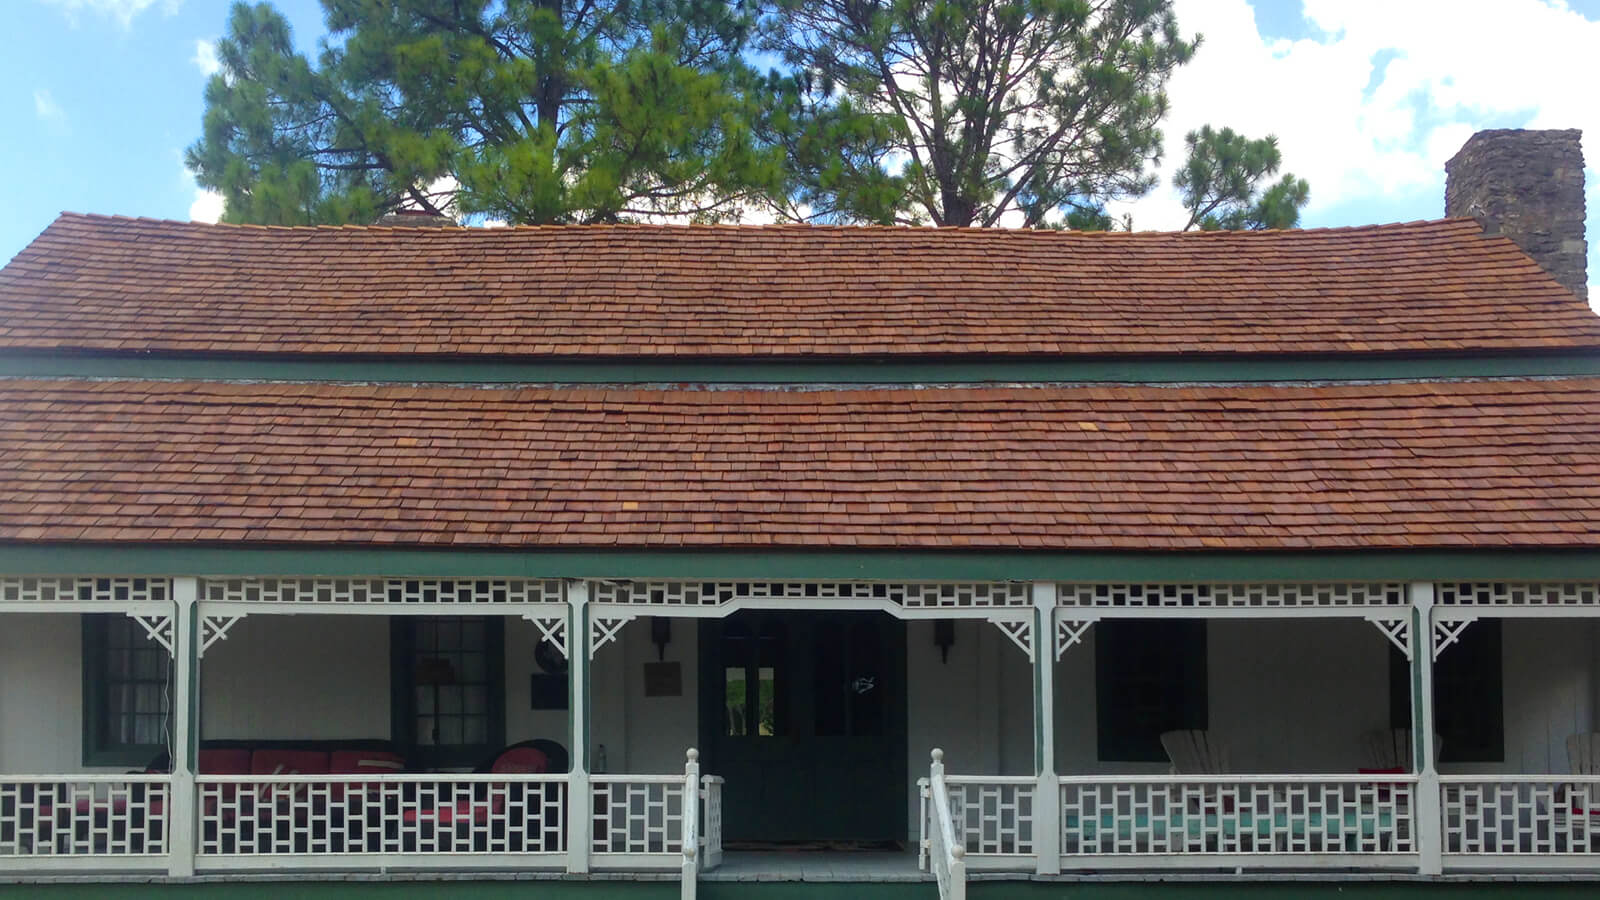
(1582, 800)
(1583, 754)
(1195, 752)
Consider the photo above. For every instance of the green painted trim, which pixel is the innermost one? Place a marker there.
(910, 565)
(1132, 888)
(1331, 367)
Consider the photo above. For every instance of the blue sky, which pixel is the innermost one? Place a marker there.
(1368, 97)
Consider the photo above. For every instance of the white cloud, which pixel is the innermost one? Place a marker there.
(206, 207)
(1361, 133)
(205, 58)
(123, 11)
(46, 107)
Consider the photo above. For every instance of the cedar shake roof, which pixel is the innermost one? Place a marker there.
(135, 285)
(1500, 464)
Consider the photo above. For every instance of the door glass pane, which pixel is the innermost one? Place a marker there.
(737, 700)
(766, 702)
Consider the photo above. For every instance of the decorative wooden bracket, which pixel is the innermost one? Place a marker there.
(1448, 632)
(1396, 628)
(1020, 631)
(604, 629)
(552, 627)
(215, 628)
(159, 628)
(1070, 632)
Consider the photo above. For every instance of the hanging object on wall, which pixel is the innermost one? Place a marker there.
(944, 637)
(660, 635)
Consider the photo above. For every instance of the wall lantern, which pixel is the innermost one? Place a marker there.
(660, 635)
(944, 637)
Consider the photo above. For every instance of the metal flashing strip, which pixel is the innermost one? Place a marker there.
(833, 372)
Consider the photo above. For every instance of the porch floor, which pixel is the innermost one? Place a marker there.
(816, 866)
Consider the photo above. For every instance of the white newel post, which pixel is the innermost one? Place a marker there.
(1429, 824)
(182, 810)
(1047, 791)
(691, 824)
(580, 798)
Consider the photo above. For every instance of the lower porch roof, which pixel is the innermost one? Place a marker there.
(1503, 464)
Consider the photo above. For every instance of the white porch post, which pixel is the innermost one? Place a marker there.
(185, 726)
(1047, 791)
(1430, 844)
(580, 799)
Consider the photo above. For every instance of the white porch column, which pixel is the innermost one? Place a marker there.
(185, 726)
(1430, 844)
(580, 799)
(1047, 792)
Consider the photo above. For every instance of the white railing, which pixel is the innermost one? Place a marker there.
(711, 793)
(108, 821)
(1520, 817)
(945, 852)
(391, 820)
(991, 818)
(1237, 820)
(638, 820)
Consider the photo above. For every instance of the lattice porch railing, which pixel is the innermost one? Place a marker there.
(1521, 816)
(1318, 817)
(354, 821)
(117, 820)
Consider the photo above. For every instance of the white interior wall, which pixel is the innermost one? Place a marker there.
(657, 731)
(41, 704)
(310, 677)
(1548, 688)
(523, 722)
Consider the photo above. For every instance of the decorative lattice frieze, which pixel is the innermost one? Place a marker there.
(955, 595)
(85, 590)
(386, 591)
(1519, 594)
(1265, 596)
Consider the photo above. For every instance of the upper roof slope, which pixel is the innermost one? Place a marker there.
(112, 284)
(1481, 464)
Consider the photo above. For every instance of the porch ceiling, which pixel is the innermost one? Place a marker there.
(1490, 464)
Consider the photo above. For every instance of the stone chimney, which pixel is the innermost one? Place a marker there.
(1528, 186)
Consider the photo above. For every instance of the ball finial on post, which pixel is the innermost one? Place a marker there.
(693, 755)
(938, 755)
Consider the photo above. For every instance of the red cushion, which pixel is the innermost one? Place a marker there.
(289, 762)
(521, 761)
(225, 762)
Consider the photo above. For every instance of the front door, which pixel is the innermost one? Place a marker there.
(804, 715)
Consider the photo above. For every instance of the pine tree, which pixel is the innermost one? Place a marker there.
(530, 111)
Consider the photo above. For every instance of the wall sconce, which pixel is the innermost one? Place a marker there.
(660, 635)
(944, 637)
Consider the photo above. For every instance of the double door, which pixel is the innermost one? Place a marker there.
(804, 715)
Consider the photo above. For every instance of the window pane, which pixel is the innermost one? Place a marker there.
(450, 730)
(475, 730)
(449, 700)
